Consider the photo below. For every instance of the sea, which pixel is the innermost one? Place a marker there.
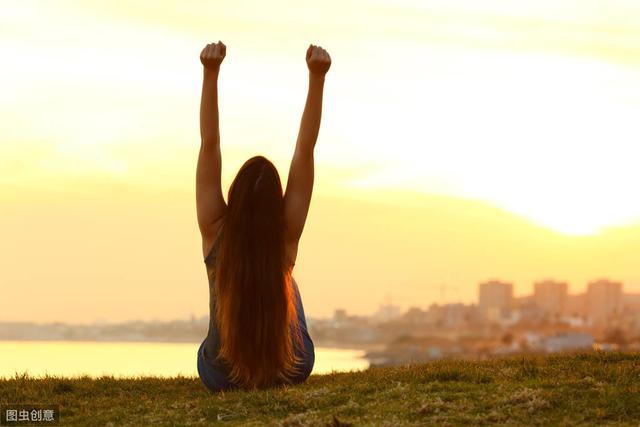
(133, 359)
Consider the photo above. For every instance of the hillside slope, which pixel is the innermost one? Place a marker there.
(584, 389)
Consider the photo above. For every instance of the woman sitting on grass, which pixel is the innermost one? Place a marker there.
(257, 329)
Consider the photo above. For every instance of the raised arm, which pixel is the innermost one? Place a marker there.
(209, 200)
(297, 196)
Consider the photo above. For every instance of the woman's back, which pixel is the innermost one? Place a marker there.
(212, 343)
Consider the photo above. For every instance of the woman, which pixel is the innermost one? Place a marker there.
(257, 329)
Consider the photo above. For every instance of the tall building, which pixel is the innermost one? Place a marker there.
(495, 299)
(603, 299)
(550, 296)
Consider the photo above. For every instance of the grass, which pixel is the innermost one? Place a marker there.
(579, 389)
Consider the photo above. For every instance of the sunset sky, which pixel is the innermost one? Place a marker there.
(461, 140)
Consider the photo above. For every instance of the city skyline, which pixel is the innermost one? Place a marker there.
(545, 294)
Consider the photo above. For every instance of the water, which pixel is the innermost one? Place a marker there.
(71, 358)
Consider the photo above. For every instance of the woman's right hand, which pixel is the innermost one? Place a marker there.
(318, 60)
(212, 55)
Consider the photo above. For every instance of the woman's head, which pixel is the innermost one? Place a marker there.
(255, 308)
(256, 192)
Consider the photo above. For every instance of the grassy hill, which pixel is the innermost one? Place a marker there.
(579, 389)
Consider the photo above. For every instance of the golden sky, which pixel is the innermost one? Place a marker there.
(461, 140)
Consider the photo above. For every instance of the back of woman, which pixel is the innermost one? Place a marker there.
(257, 335)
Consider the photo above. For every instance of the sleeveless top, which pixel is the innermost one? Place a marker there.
(212, 345)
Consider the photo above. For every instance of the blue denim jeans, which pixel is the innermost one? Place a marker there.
(216, 380)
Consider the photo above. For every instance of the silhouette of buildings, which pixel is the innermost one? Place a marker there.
(495, 300)
(548, 320)
(550, 296)
(387, 312)
(603, 300)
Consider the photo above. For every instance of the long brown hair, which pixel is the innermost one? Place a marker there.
(256, 311)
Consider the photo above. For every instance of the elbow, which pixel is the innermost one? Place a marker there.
(305, 148)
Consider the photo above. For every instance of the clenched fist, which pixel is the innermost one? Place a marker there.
(212, 55)
(318, 60)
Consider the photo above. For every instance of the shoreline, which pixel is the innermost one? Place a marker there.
(337, 345)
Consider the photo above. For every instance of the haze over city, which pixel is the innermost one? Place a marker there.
(504, 146)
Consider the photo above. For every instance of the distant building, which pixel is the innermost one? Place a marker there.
(631, 302)
(415, 315)
(550, 296)
(386, 313)
(566, 342)
(340, 315)
(449, 315)
(603, 300)
(526, 309)
(495, 300)
(456, 315)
